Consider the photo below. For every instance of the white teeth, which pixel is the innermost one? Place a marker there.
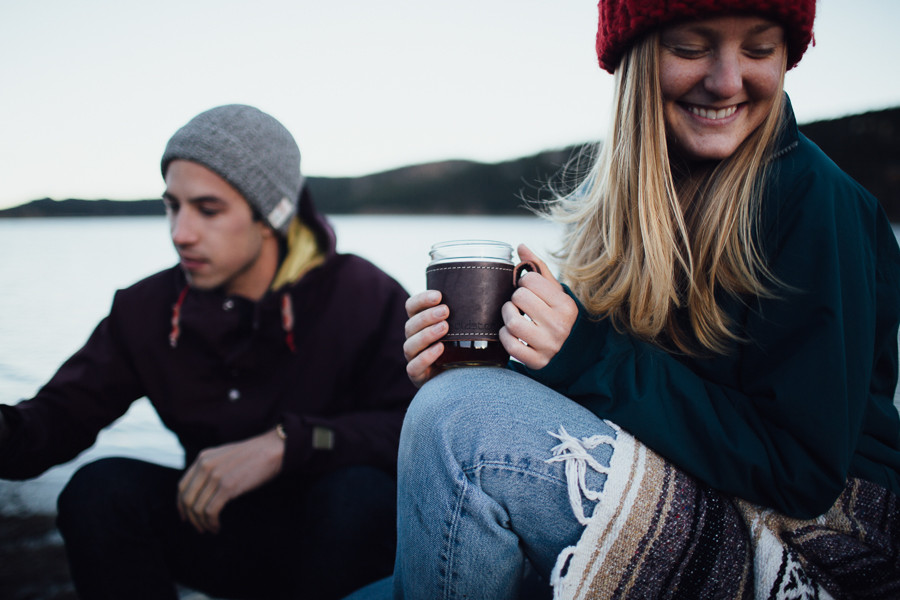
(709, 113)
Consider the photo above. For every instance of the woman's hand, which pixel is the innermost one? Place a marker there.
(539, 317)
(426, 325)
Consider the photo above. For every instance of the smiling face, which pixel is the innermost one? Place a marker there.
(218, 241)
(719, 78)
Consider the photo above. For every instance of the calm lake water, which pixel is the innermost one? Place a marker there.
(58, 277)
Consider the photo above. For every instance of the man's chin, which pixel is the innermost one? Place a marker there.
(199, 283)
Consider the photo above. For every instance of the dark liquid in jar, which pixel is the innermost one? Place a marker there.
(472, 353)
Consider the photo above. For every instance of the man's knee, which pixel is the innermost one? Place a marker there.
(110, 492)
(85, 493)
(352, 500)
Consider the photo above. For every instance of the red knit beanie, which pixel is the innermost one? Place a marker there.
(622, 21)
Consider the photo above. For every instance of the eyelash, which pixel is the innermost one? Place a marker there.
(686, 52)
(761, 52)
(173, 206)
(692, 53)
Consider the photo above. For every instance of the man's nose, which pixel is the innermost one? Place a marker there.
(182, 228)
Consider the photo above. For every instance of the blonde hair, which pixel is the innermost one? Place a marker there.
(646, 238)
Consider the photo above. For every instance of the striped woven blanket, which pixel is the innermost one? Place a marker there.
(657, 533)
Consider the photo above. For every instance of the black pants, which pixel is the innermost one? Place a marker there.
(324, 539)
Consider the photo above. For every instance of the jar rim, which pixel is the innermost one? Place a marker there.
(456, 250)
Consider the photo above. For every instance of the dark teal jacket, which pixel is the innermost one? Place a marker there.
(784, 419)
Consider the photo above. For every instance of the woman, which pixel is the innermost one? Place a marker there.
(717, 375)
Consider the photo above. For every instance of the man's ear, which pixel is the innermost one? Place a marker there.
(267, 230)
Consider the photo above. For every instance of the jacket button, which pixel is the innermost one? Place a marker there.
(234, 394)
(228, 304)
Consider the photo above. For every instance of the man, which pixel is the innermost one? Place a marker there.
(277, 362)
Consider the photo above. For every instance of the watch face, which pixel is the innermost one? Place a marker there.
(322, 438)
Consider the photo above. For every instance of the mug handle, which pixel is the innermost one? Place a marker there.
(524, 267)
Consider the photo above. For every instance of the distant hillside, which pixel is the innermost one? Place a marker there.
(867, 146)
(449, 187)
(47, 207)
(458, 187)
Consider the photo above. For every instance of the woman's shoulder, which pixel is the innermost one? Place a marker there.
(806, 183)
(807, 165)
(801, 169)
(811, 203)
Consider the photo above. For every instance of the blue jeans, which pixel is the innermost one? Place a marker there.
(317, 538)
(477, 499)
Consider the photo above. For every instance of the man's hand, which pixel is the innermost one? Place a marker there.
(221, 474)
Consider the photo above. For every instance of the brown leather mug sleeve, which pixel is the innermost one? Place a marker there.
(475, 292)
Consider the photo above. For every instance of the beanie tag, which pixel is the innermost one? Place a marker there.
(281, 213)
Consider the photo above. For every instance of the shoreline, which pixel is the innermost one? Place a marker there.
(33, 563)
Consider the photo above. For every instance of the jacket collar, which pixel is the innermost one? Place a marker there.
(789, 136)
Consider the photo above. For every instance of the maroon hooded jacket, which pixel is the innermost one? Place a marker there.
(238, 369)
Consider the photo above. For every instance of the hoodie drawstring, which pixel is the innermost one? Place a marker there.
(176, 317)
(287, 321)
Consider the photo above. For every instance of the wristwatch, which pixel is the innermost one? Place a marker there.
(322, 438)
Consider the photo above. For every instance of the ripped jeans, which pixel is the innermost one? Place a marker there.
(480, 494)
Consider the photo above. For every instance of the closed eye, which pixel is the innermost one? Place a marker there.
(760, 51)
(209, 207)
(171, 203)
(689, 52)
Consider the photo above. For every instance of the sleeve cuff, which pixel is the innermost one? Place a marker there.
(302, 441)
(297, 443)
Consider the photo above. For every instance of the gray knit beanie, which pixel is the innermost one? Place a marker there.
(250, 150)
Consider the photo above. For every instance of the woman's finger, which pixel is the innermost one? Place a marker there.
(520, 350)
(421, 368)
(525, 254)
(421, 301)
(518, 323)
(424, 338)
(424, 319)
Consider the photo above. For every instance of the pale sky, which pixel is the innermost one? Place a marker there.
(90, 90)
